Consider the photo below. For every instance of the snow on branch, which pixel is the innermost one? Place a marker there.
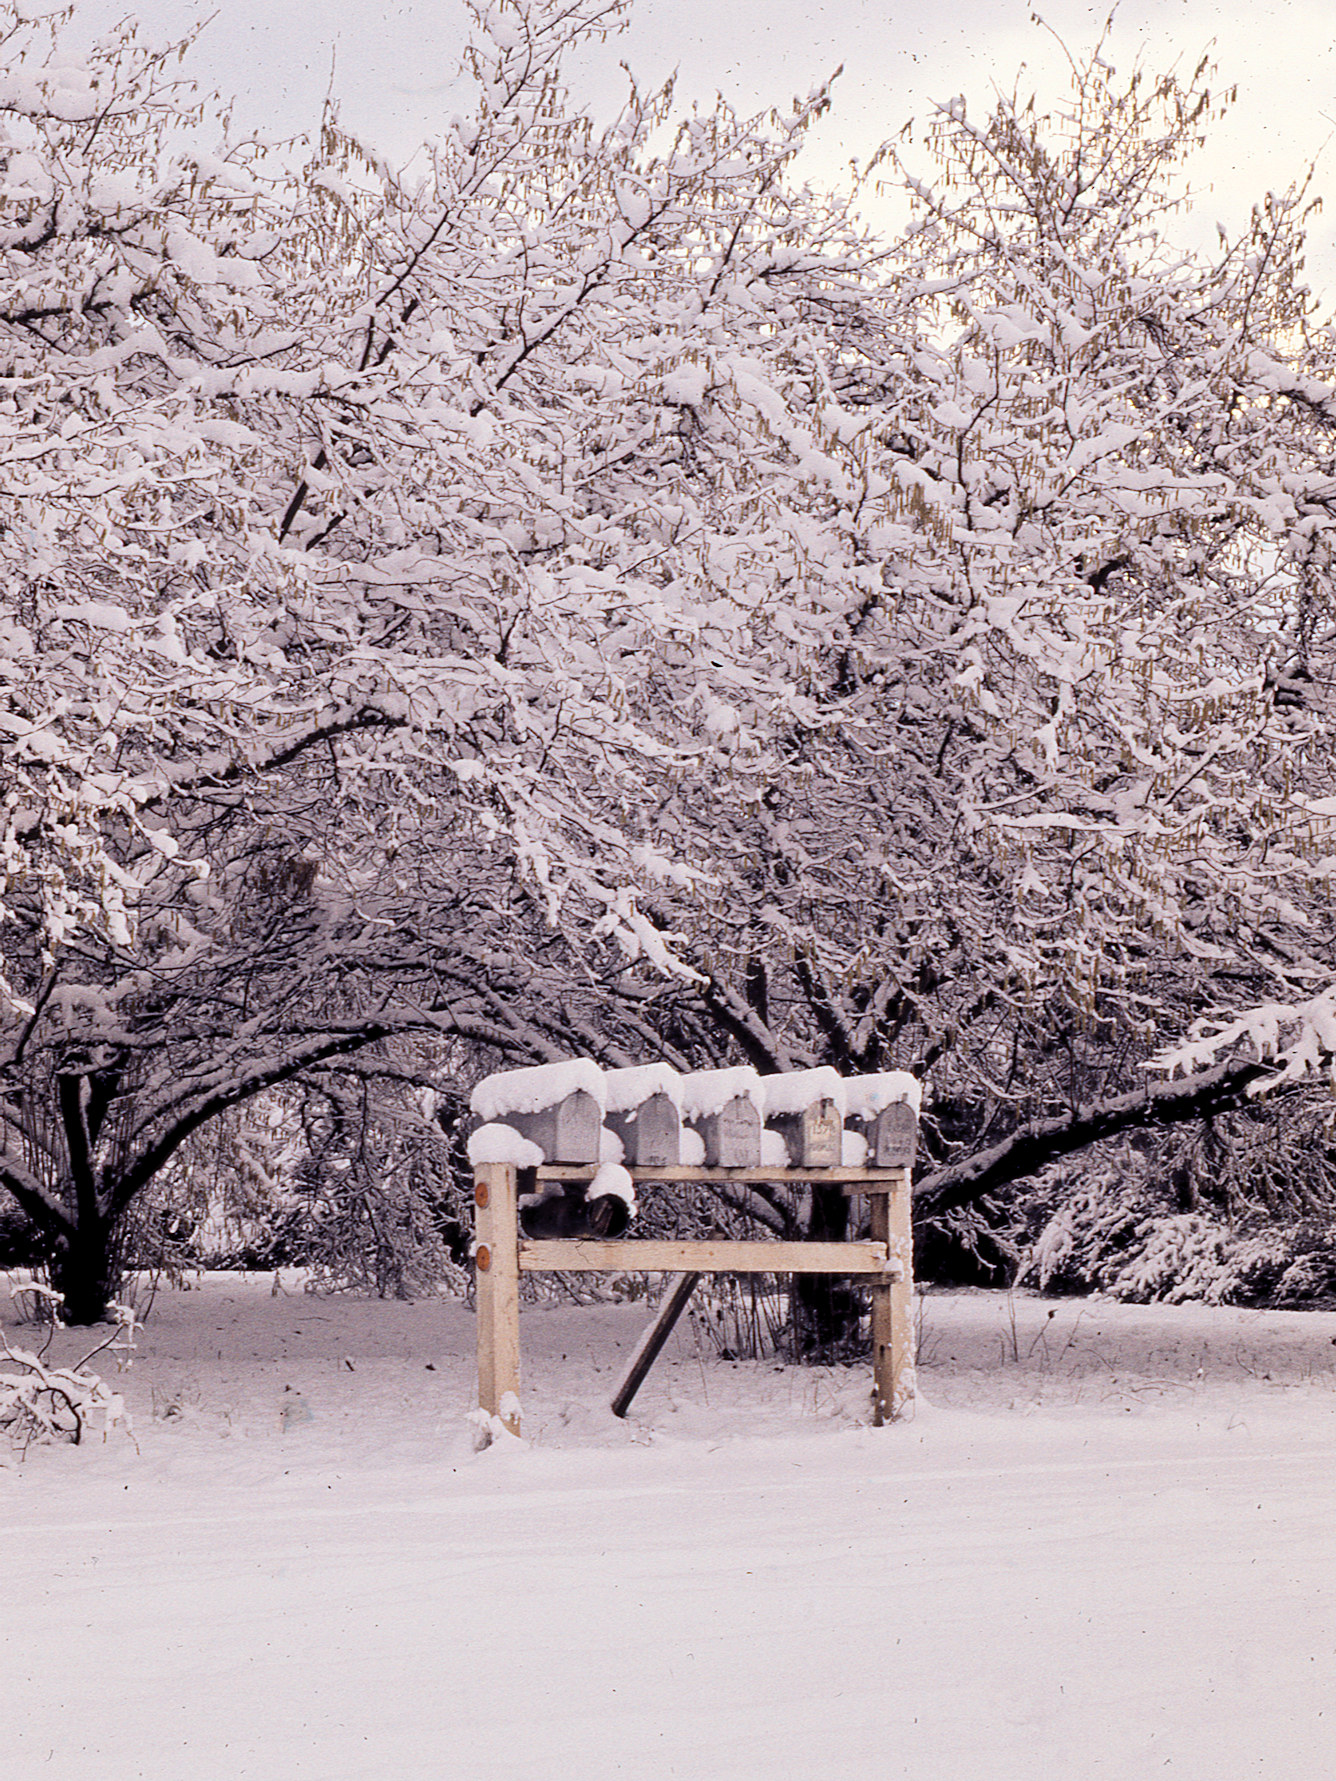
(1295, 1040)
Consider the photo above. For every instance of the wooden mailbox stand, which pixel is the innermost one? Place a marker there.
(884, 1259)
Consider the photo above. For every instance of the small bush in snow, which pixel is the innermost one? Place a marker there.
(41, 1403)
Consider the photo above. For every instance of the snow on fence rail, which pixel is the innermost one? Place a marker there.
(563, 1145)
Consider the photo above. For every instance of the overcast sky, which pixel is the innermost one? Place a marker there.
(394, 68)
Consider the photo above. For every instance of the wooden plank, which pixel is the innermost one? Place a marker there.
(904, 1337)
(859, 1180)
(653, 1256)
(883, 1322)
(496, 1260)
(656, 1334)
(879, 1182)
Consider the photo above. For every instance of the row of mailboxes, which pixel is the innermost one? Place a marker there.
(729, 1128)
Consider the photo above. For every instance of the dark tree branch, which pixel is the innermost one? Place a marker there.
(743, 1024)
(33, 1197)
(298, 500)
(137, 1175)
(1042, 1141)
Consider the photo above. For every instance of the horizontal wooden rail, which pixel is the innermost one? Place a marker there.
(650, 1256)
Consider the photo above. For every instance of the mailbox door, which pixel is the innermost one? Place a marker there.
(657, 1134)
(732, 1137)
(566, 1133)
(893, 1137)
(822, 1136)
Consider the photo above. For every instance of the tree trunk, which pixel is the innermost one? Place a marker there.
(824, 1309)
(85, 1268)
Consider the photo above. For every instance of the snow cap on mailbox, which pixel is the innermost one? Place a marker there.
(558, 1107)
(644, 1111)
(724, 1108)
(866, 1095)
(886, 1108)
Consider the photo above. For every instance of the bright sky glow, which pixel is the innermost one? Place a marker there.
(393, 69)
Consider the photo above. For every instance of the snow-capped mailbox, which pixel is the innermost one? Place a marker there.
(724, 1108)
(806, 1108)
(644, 1110)
(558, 1107)
(885, 1109)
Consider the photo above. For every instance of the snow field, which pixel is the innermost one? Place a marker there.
(1103, 1548)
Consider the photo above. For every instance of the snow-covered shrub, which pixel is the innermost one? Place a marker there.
(379, 1201)
(20, 1240)
(1120, 1228)
(32, 1298)
(41, 1403)
(1133, 1253)
(353, 1180)
(1310, 1276)
(973, 1245)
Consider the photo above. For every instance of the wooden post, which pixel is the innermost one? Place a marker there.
(497, 1259)
(893, 1307)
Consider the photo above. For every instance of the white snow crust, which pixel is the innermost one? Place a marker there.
(853, 1150)
(691, 1149)
(685, 386)
(866, 1095)
(798, 1089)
(530, 1091)
(503, 1144)
(628, 1088)
(610, 1147)
(709, 1091)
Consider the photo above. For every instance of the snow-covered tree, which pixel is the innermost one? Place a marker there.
(385, 598)
(584, 592)
(1066, 786)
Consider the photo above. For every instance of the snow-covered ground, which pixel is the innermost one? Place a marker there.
(1103, 1548)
